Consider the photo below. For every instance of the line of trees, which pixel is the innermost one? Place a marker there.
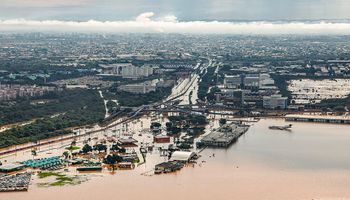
(207, 81)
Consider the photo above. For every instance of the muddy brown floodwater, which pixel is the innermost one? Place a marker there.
(310, 162)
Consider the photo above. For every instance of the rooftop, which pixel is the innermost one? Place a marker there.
(11, 166)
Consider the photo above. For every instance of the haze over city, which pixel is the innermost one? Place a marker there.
(219, 17)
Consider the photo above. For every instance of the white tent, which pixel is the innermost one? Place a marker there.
(182, 155)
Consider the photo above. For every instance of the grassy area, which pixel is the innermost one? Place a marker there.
(73, 148)
(47, 174)
(61, 179)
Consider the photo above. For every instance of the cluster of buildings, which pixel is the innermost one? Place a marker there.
(10, 91)
(127, 70)
(320, 69)
(83, 82)
(254, 90)
(146, 86)
(138, 88)
(258, 84)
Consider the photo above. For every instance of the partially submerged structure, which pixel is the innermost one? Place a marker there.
(43, 162)
(182, 156)
(167, 167)
(224, 136)
(177, 161)
(126, 165)
(11, 167)
(125, 143)
(17, 182)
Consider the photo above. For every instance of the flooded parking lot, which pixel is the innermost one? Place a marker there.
(306, 91)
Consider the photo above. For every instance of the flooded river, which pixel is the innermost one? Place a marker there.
(310, 162)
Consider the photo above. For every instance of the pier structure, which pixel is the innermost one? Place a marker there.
(224, 136)
(319, 119)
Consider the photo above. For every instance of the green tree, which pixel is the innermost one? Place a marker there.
(222, 121)
(66, 154)
(100, 147)
(168, 125)
(112, 160)
(115, 148)
(87, 148)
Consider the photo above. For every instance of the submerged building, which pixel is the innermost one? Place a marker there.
(183, 156)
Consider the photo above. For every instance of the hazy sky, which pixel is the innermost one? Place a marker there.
(185, 10)
(178, 16)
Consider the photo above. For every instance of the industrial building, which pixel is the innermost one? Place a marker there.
(275, 102)
(251, 81)
(141, 88)
(232, 81)
(127, 70)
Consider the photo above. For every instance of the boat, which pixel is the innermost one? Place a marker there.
(286, 127)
